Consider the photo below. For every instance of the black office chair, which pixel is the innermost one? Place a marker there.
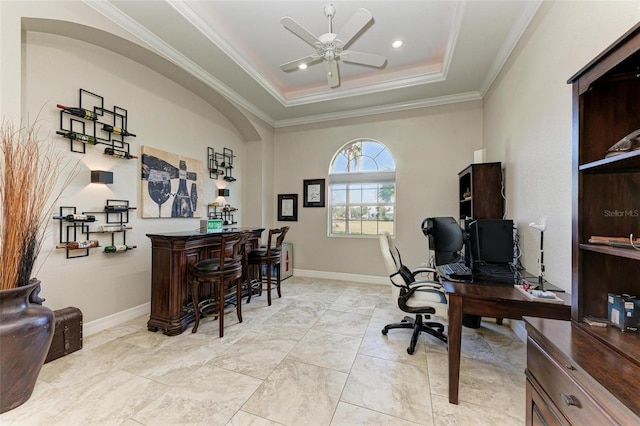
(423, 297)
(446, 240)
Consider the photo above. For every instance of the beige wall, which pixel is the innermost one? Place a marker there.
(164, 116)
(430, 147)
(527, 120)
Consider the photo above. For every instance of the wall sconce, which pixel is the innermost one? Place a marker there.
(223, 192)
(100, 176)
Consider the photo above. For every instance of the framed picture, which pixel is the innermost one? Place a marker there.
(313, 193)
(288, 207)
(171, 185)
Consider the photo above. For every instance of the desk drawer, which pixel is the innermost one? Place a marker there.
(561, 389)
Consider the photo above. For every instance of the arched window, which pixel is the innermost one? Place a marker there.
(362, 189)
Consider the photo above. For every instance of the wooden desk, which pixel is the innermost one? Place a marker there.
(490, 301)
(172, 256)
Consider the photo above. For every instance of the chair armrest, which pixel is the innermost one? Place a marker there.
(426, 283)
(423, 269)
(407, 294)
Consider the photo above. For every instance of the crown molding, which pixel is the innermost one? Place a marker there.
(184, 9)
(509, 44)
(366, 90)
(429, 102)
(456, 26)
(163, 49)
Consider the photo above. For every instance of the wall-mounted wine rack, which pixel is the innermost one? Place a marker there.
(220, 164)
(91, 124)
(225, 213)
(74, 225)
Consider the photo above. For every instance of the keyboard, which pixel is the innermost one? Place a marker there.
(458, 270)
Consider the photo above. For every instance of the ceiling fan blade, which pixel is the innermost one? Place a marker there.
(362, 58)
(333, 78)
(354, 26)
(300, 31)
(293, 65)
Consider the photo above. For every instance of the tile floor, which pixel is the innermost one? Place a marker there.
(315, 357)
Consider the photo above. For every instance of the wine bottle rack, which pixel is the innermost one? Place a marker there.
(220, 164)
(116, 218)
(225, 214)
(91, 124)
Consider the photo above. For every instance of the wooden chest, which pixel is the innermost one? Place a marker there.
(67, 335)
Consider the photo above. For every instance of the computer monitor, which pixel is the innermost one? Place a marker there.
(491, 241)
(446, 238)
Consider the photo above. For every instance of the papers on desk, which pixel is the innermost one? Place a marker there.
(534, 298)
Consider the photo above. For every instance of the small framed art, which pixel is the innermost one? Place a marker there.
(288, 207)
(313, 193)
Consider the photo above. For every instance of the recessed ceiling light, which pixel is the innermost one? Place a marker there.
(397, 44)
(302, 66)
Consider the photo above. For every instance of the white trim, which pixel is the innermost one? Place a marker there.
(384, 109)
(174, 56)
(109, 321)
(519, 329)
(366, 177)
(369, 279)
(514, 36)
(203, 26)
(456, 26)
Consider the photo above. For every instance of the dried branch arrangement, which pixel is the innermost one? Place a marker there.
(29, 172)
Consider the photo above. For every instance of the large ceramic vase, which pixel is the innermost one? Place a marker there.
(26, 330)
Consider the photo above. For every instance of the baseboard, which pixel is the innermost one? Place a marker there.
(369, 279)
(95, 326)
(100, 324)
(519, 329)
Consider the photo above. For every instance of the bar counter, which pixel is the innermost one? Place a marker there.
(172, 256)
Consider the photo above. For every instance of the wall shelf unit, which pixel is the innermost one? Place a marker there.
(74, 225)
(91, 124)
(480, 192)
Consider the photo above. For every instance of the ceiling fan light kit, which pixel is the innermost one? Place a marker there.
(330, 47)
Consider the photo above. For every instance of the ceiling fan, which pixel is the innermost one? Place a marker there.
(330, 46)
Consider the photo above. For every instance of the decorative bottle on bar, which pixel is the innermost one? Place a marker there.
(118, 248)
(78, 137)
(116, 130)
(76, 218)
(74, 245)
(79, 112)
(118, 153)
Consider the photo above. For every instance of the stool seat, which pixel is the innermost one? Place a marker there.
(213, 265)
(264, 253)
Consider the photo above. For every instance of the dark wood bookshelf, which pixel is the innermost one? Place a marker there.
(577, 373)
(480, 191)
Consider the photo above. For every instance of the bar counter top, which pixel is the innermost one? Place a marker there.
(195, 233)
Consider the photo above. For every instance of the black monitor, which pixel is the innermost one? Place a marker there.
(446, 238)
(491, 241)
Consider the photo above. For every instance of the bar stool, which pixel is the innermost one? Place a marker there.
(267, 257)
(224, 272)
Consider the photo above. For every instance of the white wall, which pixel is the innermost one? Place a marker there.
(430, 147)
(527, 120)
